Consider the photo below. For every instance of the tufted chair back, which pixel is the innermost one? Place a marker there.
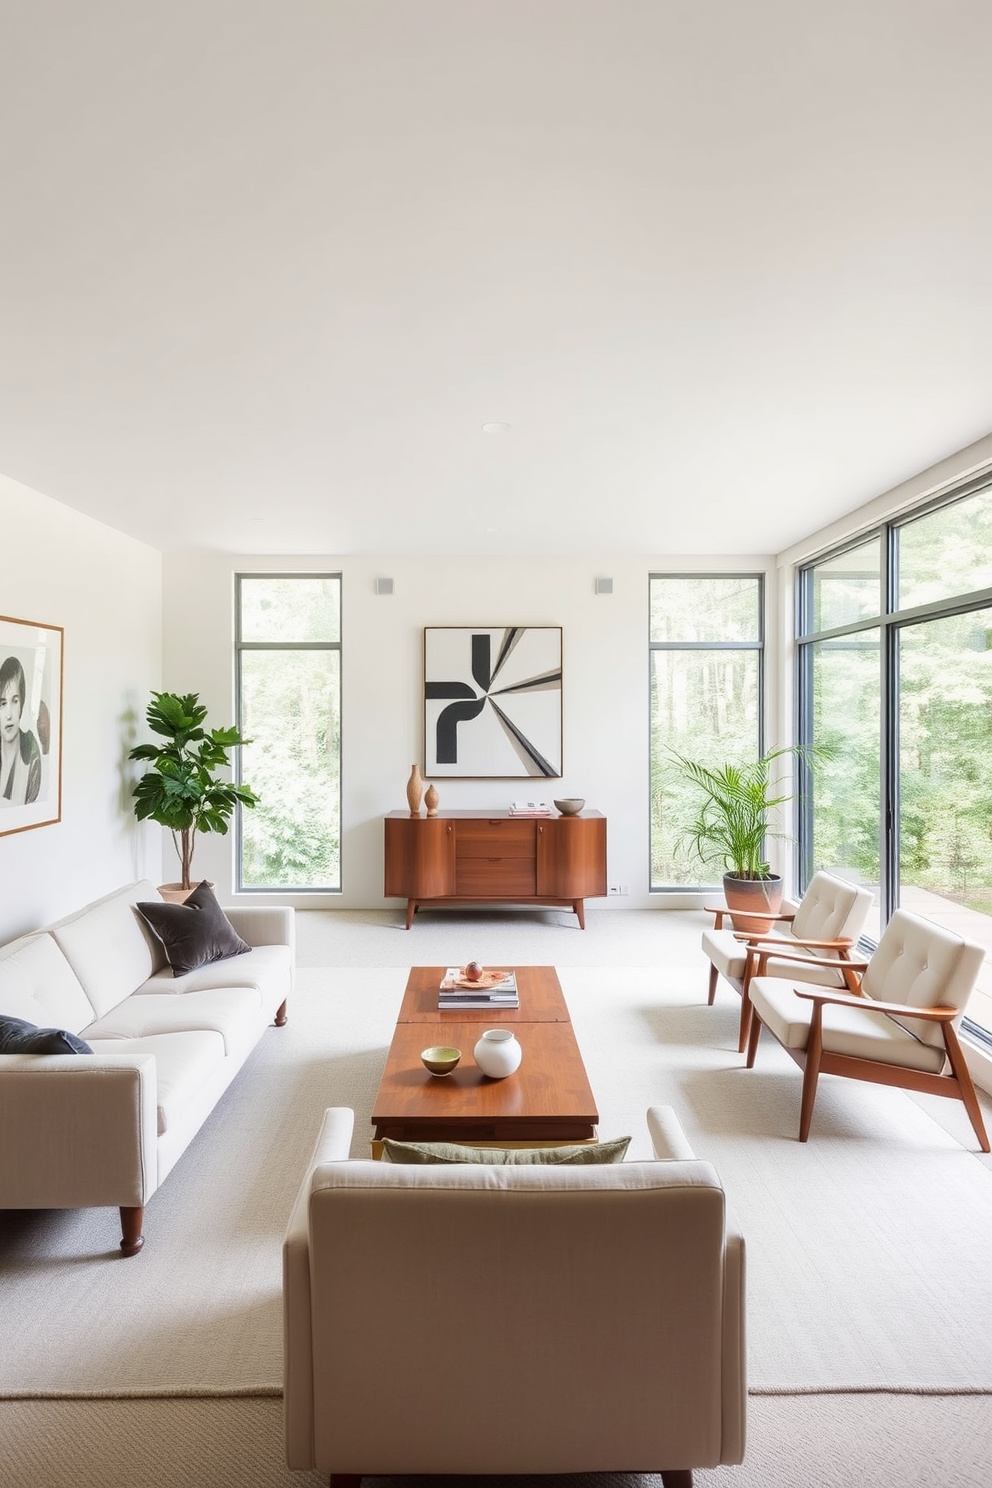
(831, 909)
(923, 965)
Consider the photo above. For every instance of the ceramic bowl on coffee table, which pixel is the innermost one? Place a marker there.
(440, 1059)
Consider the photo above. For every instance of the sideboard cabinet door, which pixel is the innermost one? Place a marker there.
(419, 857)
(571, 857)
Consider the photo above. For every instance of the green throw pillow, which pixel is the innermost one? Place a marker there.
(455, 1152)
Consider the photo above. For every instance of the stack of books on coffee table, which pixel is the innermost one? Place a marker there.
(496, 990)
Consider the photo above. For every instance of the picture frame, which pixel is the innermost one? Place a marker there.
(493, 701)
(31, 682)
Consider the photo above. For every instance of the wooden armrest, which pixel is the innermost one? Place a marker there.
(899, 1009)
(778, 940)
(767, 953)
(752, 914)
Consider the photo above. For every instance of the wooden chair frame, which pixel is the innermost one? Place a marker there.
(752, 941)
(814, 1060)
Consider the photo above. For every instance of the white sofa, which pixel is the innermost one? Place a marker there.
(82, 1130)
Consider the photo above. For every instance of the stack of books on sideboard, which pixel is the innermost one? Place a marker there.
(530, 808)
(457, 991)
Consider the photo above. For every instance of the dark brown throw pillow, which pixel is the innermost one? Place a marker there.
(195, 932)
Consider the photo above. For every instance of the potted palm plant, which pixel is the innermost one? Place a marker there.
(181, 790)
(732, 825)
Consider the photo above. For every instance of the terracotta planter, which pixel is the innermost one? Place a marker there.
(760, 894)
(174, 893)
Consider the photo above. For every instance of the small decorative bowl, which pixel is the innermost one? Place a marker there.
(441, 1059)
(571, 805)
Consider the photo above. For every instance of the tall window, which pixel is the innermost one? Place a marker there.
(706, 646)
(895, 658)
(288, 642)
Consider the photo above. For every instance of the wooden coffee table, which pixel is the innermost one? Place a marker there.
(547, 1100)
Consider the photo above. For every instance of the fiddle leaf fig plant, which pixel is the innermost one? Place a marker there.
(181, 790)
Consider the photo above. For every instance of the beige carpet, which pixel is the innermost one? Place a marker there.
(867, 1246)
(809, 1441)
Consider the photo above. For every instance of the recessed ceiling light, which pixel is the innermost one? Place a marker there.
(495, 428)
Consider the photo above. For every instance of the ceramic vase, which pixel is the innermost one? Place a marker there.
(431, 799)
(498, 1053)
(415, 790)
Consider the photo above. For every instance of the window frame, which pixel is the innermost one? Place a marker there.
(241, 646)
(759, 645)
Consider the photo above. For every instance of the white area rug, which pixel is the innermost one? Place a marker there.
(867, 1246)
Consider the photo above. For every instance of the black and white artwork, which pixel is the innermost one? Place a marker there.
(492, 701)
(30, 724)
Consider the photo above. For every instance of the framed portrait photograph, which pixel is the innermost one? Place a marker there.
(492, 701)
(30, 724)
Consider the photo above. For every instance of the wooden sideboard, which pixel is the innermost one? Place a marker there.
(476, 857)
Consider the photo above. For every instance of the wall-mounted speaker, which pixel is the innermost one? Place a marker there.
(383, 586)
(604, 586)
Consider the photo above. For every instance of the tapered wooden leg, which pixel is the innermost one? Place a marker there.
(580, 909)
(966, 1085)
(680, 1478)
(712, 992)
(346, 1480)
(745, 1028)
(131, 1223)
(811, 1073)
(752, 1043)
(411, 910)
(281, 1015)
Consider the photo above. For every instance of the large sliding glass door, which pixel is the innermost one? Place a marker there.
(895, 681)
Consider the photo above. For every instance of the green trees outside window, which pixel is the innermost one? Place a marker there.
(895, 672)
(705, 650)
(289, 706)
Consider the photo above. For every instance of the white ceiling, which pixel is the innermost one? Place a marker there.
(268, 266)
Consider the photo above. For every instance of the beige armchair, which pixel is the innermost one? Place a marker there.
(826, 922)
(896, 1026)
(522, 1319)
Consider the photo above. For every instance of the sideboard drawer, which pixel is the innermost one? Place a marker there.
(497, 838)
(494, 877)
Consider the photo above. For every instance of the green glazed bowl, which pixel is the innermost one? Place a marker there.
(441, 1059)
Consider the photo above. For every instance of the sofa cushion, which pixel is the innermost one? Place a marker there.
(38, 984)
(184, 1064)
(263, 967)
(233, 1012)
(20, 1037)
(109, 946)
(195, 932)
(592, 1154)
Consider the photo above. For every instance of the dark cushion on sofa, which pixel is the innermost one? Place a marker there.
(195, 932)
(20, 1037)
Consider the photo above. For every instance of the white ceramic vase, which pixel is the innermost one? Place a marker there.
(498, 1053)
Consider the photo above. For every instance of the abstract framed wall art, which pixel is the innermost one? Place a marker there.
(30, 724)
(492, 701)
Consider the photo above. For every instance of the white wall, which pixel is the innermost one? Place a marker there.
(605, 660)
(61, 568)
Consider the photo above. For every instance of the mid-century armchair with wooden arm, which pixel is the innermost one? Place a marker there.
(828, 919)
(897, 1025)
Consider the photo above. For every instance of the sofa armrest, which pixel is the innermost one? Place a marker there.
(333, 1145)
(734, 1382)
(667, 1137)
(86, 1131)
(264, 924)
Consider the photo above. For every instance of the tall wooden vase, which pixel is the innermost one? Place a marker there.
(415, 790)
